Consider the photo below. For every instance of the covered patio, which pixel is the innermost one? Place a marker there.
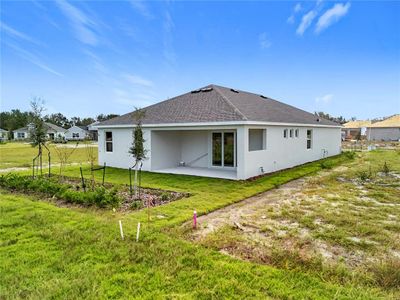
(208, 153)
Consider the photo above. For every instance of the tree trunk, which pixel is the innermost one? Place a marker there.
(135, 183)
(40, 160)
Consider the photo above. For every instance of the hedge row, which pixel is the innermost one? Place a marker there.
(51, 187)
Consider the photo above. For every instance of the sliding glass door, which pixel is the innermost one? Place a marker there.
(223, 149)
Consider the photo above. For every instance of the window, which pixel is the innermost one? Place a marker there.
(291, 133)
(75, 135)
(296, 133)
(285, 133)
(21, 135)
(257, 139)
(309, 138)
(109, 141)
(223, 149)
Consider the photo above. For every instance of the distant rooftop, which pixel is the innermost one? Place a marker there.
(393, 121)
(357, 124)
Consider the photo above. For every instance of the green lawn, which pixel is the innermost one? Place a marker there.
(52, 252)
(20, 154)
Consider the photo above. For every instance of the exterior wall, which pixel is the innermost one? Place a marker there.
(195, 148)
(73, 130)
(122, 141)
(16, 135)
(169, 148)
(166, 148)
(383, 134)
(282, 153)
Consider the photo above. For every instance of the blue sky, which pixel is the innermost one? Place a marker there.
(86, 58)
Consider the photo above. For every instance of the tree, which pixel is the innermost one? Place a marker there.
(340, 119)
(58, 119)
(91, 158)
(137, 149)
(64, 153)
(37, 132)
(14, 119)
(103, 117)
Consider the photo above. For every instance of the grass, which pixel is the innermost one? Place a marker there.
(20, 155)
(52, 252)
(350, 220)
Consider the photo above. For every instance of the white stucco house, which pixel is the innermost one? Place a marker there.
(221, 132)
(386, 130)
(77, 133)
(3, 135)
(52, 132)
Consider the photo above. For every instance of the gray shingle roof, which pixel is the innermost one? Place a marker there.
(56, 128)
(217, 104)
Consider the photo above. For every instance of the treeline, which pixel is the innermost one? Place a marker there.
(340, 119)
(14, 119)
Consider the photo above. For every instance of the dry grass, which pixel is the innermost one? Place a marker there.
(339, 224)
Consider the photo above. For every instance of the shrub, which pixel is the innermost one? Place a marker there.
(385, 169)
(350, 154)
(165, 196)
(326, 165)
(51, 187)
(365, 175)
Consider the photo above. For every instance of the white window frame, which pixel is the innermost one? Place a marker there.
(285, 133)
(309, 139)
(111, 141)
(210, 163)
(20, 135)
(263, 142)
(296, 133)
(291, 133)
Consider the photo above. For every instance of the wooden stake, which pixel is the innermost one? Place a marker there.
(138, 232)
(194, 219)
(120, 229)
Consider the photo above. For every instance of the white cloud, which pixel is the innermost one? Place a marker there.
(297, 8)
(290, 20)
(137, 80)
(264, 41)
(306, 21)
(33, 59)
(324, 99)
(82, 24)
(17, 34)
(332, 15)
(142, 8)
(168, 51)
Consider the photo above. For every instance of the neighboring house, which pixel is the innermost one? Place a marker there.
(386, 130)
(76, 133)
(52, 132)
(3, 135)
(355, 129)
(93, 130)
(21, 133)
(220, 132)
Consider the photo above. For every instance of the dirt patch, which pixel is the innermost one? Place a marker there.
(332, 217)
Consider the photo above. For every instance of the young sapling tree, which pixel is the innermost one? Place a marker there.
(137, 149)
(64, 153)
(37, 132)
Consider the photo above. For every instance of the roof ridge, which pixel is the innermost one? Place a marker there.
(229, 102)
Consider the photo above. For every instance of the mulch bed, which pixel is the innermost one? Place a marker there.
(147, 196)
